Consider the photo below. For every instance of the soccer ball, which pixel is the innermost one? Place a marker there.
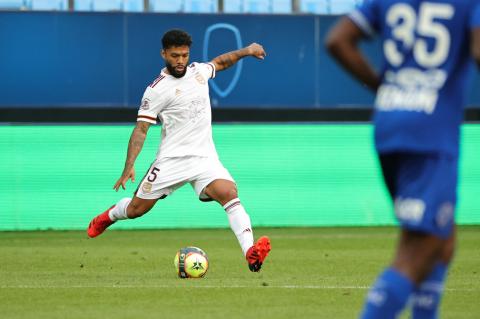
(191, 262)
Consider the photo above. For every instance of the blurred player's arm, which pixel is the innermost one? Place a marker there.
(475, 45)
(135, 145)
(228, 59)
(342, 44)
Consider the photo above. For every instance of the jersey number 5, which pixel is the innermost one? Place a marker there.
(153, 174)
(406, 25)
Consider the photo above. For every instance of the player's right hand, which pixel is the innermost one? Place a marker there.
(124, 178)
(256, 50)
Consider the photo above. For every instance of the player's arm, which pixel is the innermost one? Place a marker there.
(475, 45)
(135, 145)
(342, 43)
(228, 59)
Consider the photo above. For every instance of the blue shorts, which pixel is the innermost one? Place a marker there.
(424, 190)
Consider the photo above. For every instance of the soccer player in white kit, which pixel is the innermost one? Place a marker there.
(179, 99)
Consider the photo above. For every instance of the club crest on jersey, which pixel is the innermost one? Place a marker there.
(178, 92)
(145, 104)
(147, 187)
(445, 214)
(200, 78)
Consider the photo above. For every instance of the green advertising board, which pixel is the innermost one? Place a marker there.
(59, 177)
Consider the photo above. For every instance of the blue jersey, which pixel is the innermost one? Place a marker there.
(426, 52)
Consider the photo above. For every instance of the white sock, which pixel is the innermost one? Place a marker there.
(240, 223)
(120, 210)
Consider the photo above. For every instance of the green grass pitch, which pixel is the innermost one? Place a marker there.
(310, 273)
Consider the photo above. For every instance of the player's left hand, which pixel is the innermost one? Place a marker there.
(124, 178)
(256, 50)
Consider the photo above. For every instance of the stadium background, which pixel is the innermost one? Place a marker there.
(293, 129)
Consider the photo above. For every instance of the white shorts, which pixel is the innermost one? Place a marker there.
(168, 174)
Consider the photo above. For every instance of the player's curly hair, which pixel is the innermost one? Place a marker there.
(176, 38)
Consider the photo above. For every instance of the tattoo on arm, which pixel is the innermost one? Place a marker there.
(135, 144)
(226, 60)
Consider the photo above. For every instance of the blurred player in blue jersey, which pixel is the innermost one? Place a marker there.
(420, 95)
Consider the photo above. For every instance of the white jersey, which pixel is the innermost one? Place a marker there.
(183, 107)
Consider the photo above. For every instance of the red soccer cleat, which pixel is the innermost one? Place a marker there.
(257, 253)
(99, 224)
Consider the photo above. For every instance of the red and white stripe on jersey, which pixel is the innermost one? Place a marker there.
(210, 64)
(155, 82)
(146, 118)
(143, 114)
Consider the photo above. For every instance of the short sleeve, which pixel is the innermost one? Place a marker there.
(207, 69)
(367, 17)
(475, 16)
(150, 107)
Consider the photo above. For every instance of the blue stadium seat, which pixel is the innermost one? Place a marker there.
(165, 6)
(232, 6)
(200, 6)
(134, 6)
(83, 5)
(342, 6)
(49, 4)
(282, 6)
(109, 5)
(327, 6)
(190, 6)
(315, 6)
(13, 4)
(257, 6)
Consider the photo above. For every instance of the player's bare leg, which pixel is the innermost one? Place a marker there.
(416, 260)
(417, 254)
(428, 294)
(139, 207)
(225, 192)
(126, 208)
